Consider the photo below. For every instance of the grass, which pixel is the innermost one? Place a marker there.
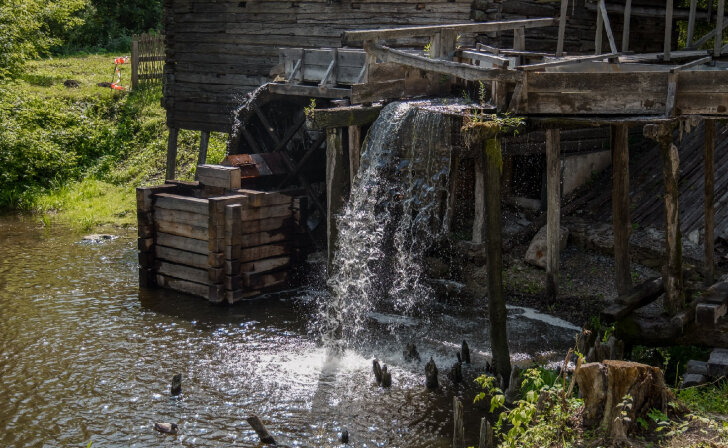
(76, 154)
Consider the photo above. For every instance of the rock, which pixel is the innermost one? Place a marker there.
(694, 236)
(97, 237)
(166, 428)
(71, 84)
(604, 386)
(344, 437)
(697, 367)
(693, 379)
(718, 363)
(386, 377)
(431, 380)
(410, 353)
(465, 350)
(456, 373)
(377, 369)
(176, 387)
(536, 253)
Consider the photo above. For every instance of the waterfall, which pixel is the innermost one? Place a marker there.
(395, 212)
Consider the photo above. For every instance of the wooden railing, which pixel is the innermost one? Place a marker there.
(147, 59)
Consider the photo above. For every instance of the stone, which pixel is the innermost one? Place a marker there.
(386, 377)
(696, 367)
(344, 437)
(465, 350)
(166, 428)
(536, 253)
(692, 379)
(97, 238)
(176, 387)
(410, 353)
(431, 380)
(694, 236)
(718, 363)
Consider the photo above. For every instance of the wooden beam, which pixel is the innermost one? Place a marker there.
(340, 117)
(354, 152)
(567, 61)
(671, 94)
(172, 153)
(626, 25)
(553, 211)
(607, 26)
(668, 29)
(599, 32)
(519, 39)
(703, 40)
(691, 64)
(310, 91)
(620, 207)
(458, 70)
(562, 28)
(485, 57)
(415, 31)
(709, 243)
(479, 196)
(718, 45)
(672, 273)
(204, 142)
(336, 180)
(691, 23)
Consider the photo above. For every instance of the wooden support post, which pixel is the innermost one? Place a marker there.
(562, 28)
(553, 210)
(354, 152)
(519, 39)
(607, 26)
(691, 23)
(718, 46)
(709, 202)
(204, 142)
(335, 182)
(620, 207)
(599, 33)
(668, 29)
(625, 28)
(134, 63)
(458, 436)
(172, 153)
(479, 198)
(496, 301)
(453, 180)
(672, 270)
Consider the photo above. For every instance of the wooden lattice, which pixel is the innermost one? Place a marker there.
(147, 59)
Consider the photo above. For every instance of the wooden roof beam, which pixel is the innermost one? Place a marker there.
(415, 31)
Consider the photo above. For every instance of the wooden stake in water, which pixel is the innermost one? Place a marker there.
(176, 387)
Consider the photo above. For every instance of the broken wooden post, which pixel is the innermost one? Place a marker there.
(386, 377)
(668, 30)
(466, 352)
(486, 434)
(718, 43)
(553, 211)
(709, 240)
(377, 369)
(431, 380)
(261, 430)
(176, 387)
(354, 152)
(172, 153)
(204, 143)
(620, 207)
(458, 436)
(672, 274)
(456, 372)
(336, 179)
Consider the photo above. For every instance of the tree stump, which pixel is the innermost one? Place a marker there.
(605, 386)
(431, 380)
(377, 369)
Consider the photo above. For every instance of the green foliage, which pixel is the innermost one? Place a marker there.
(708, 399)
(29, 28)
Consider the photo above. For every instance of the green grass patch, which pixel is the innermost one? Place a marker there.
(77, 153)
(707, 399)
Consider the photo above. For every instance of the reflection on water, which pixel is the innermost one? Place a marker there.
(86, 356)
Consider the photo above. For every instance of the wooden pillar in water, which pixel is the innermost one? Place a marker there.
(672, 270)
(553, 210)
(336, 180)
(494, 222)
(620, 207)
(709, 202)
(172, 153)
(354, 152)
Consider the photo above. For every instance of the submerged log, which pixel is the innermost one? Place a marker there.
(261, 430)
(431, 380)
(607, 387)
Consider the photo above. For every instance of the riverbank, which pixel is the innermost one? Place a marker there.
(73, 151)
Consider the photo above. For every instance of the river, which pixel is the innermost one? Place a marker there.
(86, 356)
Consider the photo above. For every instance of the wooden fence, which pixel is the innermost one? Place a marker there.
(147, 59)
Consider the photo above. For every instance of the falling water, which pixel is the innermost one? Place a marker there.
(394, 215)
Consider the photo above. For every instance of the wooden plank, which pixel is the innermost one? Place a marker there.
(267, 265)
(309, 91)
(691, 64)
(196, 289)
(183, 272)
(342, 116)
(691, 23)
(265, 198)
(456, 69)
(265, 280)
(179, 242)
(265, 225)
(336, 180)
(626, 25)
(621, 208)
(219, 176)
(262, 252)
(181, 229)
(259, 239)
(479, 28)
(494, 60)
(181, 257)
(172, 153)
(709, 198)
(182, 203)
(599, 35)
(562, 28)
(553, 211)
(718, 44)
(668, 29)
(275, 211)
(567, 61)
(193, 219)
(607, 26)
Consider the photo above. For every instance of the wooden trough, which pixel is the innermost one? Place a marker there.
(215, 240)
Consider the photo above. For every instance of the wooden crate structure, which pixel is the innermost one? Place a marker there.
(214, 240)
